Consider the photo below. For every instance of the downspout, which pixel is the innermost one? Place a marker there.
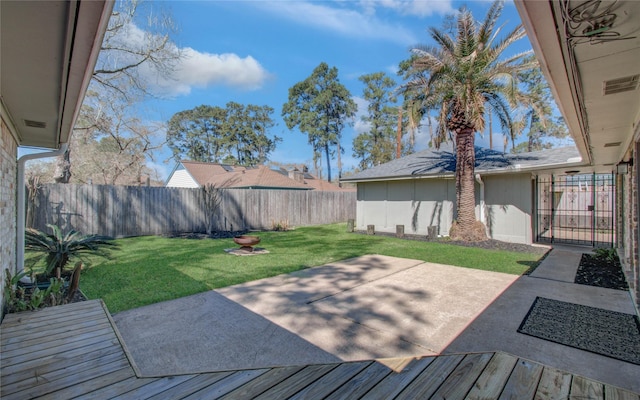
(482, 211)
(22, 203)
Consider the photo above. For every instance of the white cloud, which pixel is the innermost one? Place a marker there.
(359, 125)
(201, 70)
(420, 8)
(341, 20)
(194, 69)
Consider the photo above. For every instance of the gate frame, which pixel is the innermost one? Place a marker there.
(612, 213)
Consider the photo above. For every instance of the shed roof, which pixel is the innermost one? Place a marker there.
(442, 162)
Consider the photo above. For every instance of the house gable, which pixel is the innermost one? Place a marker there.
(180, 177)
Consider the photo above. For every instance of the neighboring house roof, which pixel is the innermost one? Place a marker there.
(442, 162)
(232, 176)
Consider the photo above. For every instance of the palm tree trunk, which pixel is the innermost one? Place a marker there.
(465, 183)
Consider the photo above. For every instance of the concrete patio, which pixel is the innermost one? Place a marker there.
(368, 308)
(360, 309)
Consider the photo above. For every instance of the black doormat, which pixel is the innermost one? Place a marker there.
(609, 333)
(601, 272)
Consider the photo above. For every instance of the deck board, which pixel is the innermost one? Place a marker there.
(83, 357)
(554, 385)
(322, 387)
(493, 379)
(227, 384)
(297, 382)
(461, 380)
(523, 382)
(259, 386)
(362, 382)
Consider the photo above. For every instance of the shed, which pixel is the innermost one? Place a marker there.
(419, 191)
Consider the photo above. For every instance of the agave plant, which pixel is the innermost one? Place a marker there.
(58, 249)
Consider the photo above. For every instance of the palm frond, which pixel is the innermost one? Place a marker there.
(466, 39)
(58, 249)
(485, 32)
(445, 41)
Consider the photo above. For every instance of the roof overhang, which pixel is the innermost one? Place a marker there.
(582, 45)
(49, 50)
(516, 169)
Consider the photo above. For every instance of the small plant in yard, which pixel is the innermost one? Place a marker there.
(608, 254)
(19, 298)
(59, 249)
(280, 226)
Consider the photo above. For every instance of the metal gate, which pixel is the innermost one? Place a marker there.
(576, 209)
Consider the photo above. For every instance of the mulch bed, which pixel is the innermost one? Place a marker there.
(490, 244)
(601, 272)
(199, 236)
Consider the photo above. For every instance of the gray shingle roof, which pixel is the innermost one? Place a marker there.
(433, 162)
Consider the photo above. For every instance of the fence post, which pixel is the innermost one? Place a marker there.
(350, 225)
(432, 232)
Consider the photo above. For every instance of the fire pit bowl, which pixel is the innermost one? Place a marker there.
(246, 241)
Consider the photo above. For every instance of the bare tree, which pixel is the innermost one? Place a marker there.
(110, 143)
(129, 54)
(211, 199)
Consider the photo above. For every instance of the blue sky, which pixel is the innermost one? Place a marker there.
(252, 52)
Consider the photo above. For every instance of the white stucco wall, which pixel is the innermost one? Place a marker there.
(412, 203)
(509, 206)
(420, 203)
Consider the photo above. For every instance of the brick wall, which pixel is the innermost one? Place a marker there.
(633, 276)
(8, 171)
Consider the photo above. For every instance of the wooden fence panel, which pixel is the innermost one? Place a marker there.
(121, 211)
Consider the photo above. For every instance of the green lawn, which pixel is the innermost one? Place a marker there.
(151, 269)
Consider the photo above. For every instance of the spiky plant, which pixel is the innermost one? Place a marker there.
(58, 249)
(459, 79)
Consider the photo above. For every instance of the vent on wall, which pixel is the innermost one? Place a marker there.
(621, 84)
(35, 124)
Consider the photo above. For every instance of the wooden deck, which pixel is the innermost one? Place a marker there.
(74, 351)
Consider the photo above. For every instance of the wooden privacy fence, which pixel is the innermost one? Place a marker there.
(121, 211)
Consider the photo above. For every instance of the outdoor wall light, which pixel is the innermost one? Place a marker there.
(622, 168)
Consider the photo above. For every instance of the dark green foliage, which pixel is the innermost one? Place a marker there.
(18, 298)
(237, 134)
(320, 107)
(608, 254)
(57, 249)
(539, 122)
(378, 144)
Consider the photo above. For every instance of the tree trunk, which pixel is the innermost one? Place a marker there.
(465, 185)
(399, 134)
(62, 172)
(326, 152)
(339, 164)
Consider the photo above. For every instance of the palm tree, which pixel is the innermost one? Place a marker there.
(459, 78)
(58, 249)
